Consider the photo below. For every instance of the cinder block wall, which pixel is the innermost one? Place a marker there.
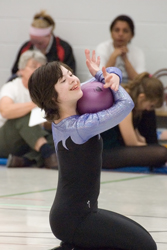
(84, 24)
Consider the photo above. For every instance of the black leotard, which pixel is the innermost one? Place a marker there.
(75, 217)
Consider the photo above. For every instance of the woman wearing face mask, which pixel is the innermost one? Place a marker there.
(124, 146)
(43, 39)
(120, 52)
(75, 217)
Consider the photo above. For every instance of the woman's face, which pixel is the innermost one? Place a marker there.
(121, 34)
(145, 104)
(30, 67)
(68, 88)
(40, 42)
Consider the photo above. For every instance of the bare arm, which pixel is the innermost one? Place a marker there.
(129, 68)
(139, 136)
(112, 60)
(11, 110)
(128, 132)
(122, 51)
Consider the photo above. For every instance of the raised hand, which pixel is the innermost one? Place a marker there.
(92, 63)
(111, 80)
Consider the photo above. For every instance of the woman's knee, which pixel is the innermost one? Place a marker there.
(162, 152)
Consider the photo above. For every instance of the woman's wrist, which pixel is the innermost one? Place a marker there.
(114, 56)
(125, 58)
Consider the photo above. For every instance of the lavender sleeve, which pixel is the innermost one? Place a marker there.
(82, 127)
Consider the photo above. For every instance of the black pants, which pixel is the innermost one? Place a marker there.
(17, 138)
(112, 231)
(126, 156)
(148, 125)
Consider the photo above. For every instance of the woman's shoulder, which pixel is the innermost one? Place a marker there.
(105, 44)
(134, 48)
(12, 84)
(61, 124)
(60, 41)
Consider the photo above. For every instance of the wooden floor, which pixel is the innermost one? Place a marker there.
(26, 196)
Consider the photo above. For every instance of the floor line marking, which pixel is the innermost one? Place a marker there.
(53, 189)
(127, 179)
(22, 205)
(31, 192)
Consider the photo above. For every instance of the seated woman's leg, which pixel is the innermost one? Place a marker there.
(148, 125)
(16, 134)
(126, 156)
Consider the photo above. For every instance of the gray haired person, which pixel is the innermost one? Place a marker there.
(23, 145)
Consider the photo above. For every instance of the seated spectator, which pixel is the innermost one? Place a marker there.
(120, 52)
(43, 39)
(23, 144)
(124, 146)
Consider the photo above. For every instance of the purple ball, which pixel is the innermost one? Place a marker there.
(95, 98)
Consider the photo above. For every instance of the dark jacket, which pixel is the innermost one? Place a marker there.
(59, 51)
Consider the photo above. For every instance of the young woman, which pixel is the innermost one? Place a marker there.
(42, 38)
(120, 52)
(125, 139)
(75, 218)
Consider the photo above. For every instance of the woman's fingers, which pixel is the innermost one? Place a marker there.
(104, 72)
(110, 81)
(93, 56)
(98, 61)
(87, 54)
(92, 59)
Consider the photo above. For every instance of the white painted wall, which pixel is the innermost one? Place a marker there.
(84, 24)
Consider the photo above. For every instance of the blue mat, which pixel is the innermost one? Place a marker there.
(160, 170)
(3, 161)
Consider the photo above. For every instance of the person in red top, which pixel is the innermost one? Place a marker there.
(43, 39)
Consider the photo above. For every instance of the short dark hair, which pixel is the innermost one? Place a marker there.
(124, 18)
(42, 88)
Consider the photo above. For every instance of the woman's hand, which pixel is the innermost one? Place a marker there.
(120, 51)
(111, 80)
(92, 63)
(117, 52)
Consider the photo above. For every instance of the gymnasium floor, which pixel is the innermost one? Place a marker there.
(27, 194)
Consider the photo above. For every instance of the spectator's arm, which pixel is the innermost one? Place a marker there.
(11, 110)
(128, 132)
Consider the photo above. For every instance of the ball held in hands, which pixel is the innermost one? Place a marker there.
(95, 98)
